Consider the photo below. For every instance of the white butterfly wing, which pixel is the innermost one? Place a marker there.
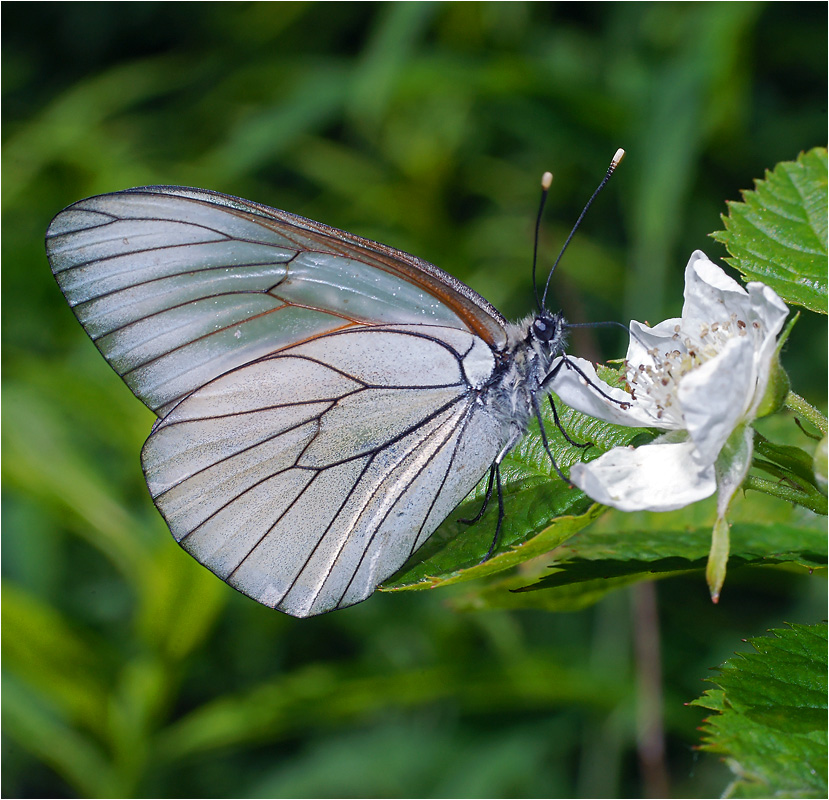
(306, 498)
(317, 391)
(176, 286)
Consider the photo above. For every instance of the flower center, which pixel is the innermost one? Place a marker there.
(656, 384)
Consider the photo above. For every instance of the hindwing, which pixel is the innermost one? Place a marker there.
(306, 478)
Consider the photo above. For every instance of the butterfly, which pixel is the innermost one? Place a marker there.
(324, 401)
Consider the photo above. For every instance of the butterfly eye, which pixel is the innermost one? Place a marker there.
(544, 329)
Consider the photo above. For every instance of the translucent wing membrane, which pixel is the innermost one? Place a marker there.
(322, 397)
(178, 286)
(306, 478)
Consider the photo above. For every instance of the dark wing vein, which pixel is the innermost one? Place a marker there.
(459, 424)
(200, 270)
(370, 453)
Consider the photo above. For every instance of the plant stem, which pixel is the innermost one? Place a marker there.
(805, 409)
(649, 707)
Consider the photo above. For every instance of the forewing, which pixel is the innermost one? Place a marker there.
(308, 477)
(178, 286)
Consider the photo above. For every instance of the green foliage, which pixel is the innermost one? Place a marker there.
(129, 670)
(771, 715)
(627, 548)
(662, 552)
(778, 234)
(793, 469)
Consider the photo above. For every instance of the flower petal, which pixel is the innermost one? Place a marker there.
(710, 294)
(770, 311)
(574, 391)
(716, 396)
(656, 477)
(768, 308)
(644, 341)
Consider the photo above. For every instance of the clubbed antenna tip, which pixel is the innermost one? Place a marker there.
(617, 157)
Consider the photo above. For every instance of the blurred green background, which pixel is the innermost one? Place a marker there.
(131, 671)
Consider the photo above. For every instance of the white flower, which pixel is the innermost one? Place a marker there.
(702, 379)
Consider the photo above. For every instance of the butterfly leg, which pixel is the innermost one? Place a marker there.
(497, 469)
(570, 365)
(548, 379)
(544, 441)
(495, 482)
(564, 432)
(492, 471)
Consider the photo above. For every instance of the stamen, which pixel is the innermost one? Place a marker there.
(657, 382)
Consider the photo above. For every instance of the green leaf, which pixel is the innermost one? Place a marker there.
(778, 234)
(597, 561)
(771, 715)
(541, 510)
(508, 593)
(793, 469)
(794, 460)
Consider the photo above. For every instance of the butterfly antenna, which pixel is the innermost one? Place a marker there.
(627, 328)
(620, 154)
(546, 182)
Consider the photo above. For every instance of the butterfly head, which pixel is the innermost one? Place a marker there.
(547, 331)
